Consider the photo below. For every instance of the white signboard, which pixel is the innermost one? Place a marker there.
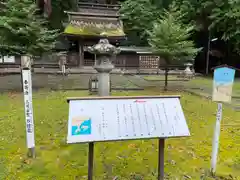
(114, 118)
(27, 90)
(7, 59)
(222, 84)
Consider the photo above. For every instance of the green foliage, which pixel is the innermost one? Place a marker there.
(22, 31)
(226, 19)
(221, 16)
(196, 12)
(94, 30)
(58, 16)
(138, 17)
(186, 158)
(170, 38)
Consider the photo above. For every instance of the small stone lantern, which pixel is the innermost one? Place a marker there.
(188, 72)
(93, 85)
(104, 52)
(62, 61)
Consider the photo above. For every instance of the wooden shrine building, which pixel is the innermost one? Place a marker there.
(89, 22)
(92, 21)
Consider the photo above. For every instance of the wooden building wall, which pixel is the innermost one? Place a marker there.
(124, 60)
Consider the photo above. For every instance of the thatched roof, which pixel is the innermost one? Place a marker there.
(137, 49)
(95, 21)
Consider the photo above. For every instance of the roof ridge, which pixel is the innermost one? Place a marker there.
(117, 15)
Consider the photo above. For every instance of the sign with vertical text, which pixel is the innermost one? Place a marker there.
(27, 90)
(125, 118)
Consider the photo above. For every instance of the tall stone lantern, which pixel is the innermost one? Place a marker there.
(104, 52)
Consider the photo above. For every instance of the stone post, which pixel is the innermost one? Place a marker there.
(104, 52)
(62, 61)
(26, 62)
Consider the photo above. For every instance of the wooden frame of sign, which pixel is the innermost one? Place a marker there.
(126, 118)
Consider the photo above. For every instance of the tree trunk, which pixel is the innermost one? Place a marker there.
(166, 78)
(208, 52)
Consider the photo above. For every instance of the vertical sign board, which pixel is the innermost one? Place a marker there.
(222, 84)
(125, 118)
(27, 90)
(222, 92)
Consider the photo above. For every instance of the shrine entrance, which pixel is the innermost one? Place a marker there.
(89, 59)
(92, 21)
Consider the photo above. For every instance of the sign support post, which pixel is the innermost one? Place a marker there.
(161, 143)
(222, 92)
(90, 160)
(215, 143)
(27, 91)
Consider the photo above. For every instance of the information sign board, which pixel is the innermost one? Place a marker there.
(125, 118)
(222, 84)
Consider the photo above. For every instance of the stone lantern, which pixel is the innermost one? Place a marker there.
(104, 52)
(188, 72)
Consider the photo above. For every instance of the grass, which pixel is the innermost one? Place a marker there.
(209, 83)
(162, 78)
(93, 30)
(186, 158)
(198, 82)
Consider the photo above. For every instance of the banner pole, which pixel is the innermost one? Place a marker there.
(27, 93)
(215, 143)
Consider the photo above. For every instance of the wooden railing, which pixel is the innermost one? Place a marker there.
(98, 5)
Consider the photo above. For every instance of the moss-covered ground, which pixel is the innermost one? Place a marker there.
(186, 158)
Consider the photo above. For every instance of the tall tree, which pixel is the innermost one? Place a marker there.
(22, 31)
(170, 39)
(226, 20)
(221, 16)
(58, 16)
(138, 16)
(54, 11)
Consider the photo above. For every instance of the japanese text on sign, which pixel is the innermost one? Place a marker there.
(27, 90)
(123, 119)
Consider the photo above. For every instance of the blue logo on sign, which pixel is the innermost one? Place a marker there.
(82, 127)
(224, 75)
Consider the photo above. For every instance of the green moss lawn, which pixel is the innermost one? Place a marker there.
(93, 31)
(186, 158)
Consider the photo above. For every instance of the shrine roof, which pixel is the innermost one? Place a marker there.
(137, 49)
(93, 24)
(95, 20)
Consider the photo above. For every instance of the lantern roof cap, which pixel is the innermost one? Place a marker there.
(225, 65)
(103, 47)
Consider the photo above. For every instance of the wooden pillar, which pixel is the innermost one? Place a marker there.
(90, 160)
(161, 159)
(124, 62)
(81, 54)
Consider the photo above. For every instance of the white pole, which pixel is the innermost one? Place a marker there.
(27, 90)
(215, 142)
